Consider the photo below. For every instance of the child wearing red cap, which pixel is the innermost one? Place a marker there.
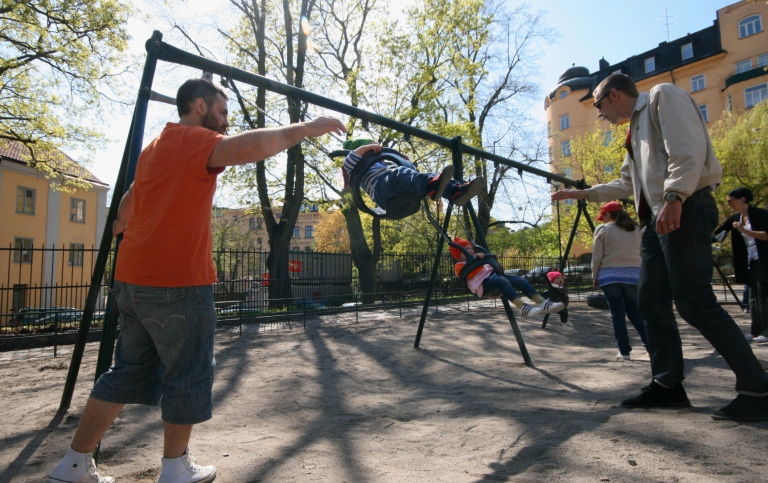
(484, 279)
(385, 180)
(559, 293)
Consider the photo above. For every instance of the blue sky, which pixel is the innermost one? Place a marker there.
(587, 31)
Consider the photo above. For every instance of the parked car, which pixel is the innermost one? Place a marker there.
(538, 274)
(30, 315)
(578, 273)
(517, 272)
(61, 317)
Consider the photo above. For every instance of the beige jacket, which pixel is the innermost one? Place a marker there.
(615, 247)
(673, 152)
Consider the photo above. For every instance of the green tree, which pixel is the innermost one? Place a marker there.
(56, 59)
(741, 145)
(596, 157)
(272, 39)
(469, 67)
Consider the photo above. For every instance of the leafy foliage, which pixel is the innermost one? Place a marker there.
(55, 57)
(741, 145)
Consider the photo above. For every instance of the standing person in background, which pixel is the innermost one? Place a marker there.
(749, 245)
(616, 270)
(671, 170)
(163, 281)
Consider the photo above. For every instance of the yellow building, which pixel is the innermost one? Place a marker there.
(303, 232)
(724, 67)
(46, 235)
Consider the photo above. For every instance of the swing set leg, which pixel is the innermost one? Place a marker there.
(544, 322)
(518, 334)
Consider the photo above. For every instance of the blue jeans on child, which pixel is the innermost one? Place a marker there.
(397, 180)
(622, 300)
(678, 266)
(506, 285)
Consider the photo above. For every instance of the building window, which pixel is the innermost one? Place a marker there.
(25, 200)
(743, 65)
(762, 60)
(650, 64)
(76, 251)
(565, 121)
(565, 148)
(750, 26)
(549, 128)
(704, 112)
(296, 232)
(697, 83)
(687, 51)
(568, 172)
(259, 242)
(252, 224)
(309, 231)
(755, 94)
(259, 223)
(729, 103)
(77, 210)
(22, 250)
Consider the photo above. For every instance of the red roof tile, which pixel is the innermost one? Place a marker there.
(60, 162)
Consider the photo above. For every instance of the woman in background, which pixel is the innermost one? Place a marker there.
(750, 256)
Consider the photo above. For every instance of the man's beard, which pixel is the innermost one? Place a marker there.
(209, 121)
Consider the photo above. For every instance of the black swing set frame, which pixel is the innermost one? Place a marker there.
(157, 50)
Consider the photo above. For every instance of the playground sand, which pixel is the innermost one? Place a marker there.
(350, 400)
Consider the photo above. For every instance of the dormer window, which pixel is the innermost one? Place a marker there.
(687, 51)
(650, 64)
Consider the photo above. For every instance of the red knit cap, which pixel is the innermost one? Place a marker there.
(553, 275)
(455, 252)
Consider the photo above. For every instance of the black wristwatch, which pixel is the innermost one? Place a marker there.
(672, 197)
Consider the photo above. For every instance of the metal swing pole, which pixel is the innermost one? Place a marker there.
(124, 179)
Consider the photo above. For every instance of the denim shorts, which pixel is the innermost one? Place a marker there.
(164, 354)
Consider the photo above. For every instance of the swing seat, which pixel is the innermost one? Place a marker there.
(403, 205)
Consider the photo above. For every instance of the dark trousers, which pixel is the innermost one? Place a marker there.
(678, 266)
(758, 304)
(622, 300)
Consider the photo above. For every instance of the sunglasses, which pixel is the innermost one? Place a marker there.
(599, 100)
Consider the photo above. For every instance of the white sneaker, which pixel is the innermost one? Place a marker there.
(184, 470)
(548, 307)
(569, 327)
(761, 338)
(528, 310)
(77, 468)
(748, 336)
(622, 357)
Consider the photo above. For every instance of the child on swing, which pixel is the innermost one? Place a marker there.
(484, 279)
(558, 292)
(385, 180)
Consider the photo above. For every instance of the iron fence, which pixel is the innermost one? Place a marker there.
(44, 289)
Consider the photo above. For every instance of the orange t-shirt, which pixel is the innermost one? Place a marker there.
(168, 240)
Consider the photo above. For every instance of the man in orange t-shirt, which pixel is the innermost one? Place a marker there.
(163, 280)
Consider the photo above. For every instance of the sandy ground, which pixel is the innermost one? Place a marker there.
(348, 400)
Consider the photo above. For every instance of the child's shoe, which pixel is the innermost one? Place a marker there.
(77, 468)
(548, 307)
(461, 194)
(436, 186)
(623, 357)
(569, 327)
(528, 310)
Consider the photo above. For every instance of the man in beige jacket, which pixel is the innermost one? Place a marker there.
(671, 170)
